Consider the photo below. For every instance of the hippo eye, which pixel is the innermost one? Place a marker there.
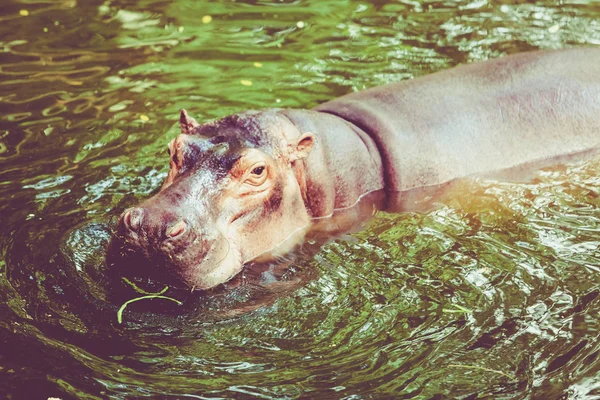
(257, 175)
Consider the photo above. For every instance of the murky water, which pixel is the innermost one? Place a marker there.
(493, 295)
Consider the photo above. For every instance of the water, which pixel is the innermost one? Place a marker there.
(493, 294)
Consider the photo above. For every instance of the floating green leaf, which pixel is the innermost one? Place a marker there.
(140, 290)
(152, 296)
(458, 309)
(476, 367)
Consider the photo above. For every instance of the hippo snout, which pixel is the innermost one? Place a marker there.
(132, 219)
(146, 228)
(171, 248)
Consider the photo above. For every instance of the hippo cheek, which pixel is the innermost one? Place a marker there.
(282, 225)
(204, 267)
(271, 225)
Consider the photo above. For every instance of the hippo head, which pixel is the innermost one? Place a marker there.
(232, 194)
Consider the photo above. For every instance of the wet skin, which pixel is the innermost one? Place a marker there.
(252, 186)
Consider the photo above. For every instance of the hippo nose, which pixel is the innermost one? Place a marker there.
(132, 218)
(177, 230)
(139, 219)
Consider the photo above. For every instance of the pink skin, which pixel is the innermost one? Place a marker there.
(207, 225)
(252, 185)
(225, 204)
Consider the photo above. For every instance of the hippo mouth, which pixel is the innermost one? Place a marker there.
(182, 256)
(220, 264)
(127, 261)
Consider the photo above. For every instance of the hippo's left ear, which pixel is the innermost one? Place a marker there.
(187, 123)
(303, 146)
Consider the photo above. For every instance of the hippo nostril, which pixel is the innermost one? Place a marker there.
(177, 229)
(127, 219)
(133, 218)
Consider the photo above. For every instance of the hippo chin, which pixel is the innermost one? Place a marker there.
(247, 184)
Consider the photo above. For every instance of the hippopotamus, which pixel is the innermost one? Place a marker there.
(246, 184)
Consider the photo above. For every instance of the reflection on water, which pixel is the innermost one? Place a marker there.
(493, 294)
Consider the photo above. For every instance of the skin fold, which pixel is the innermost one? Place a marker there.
(252, 186)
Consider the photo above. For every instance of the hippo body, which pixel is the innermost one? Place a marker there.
(480, 119)
(284, 171)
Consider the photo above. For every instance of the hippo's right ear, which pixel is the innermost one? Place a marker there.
(303, 146)
(187, 123)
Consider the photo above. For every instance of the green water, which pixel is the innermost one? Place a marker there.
(492, 295)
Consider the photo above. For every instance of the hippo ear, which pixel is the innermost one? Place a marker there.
(303, 146)
(187, 123)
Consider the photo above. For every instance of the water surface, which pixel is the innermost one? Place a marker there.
(494, 294)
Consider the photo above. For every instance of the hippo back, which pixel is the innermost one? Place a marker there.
(480, 118)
